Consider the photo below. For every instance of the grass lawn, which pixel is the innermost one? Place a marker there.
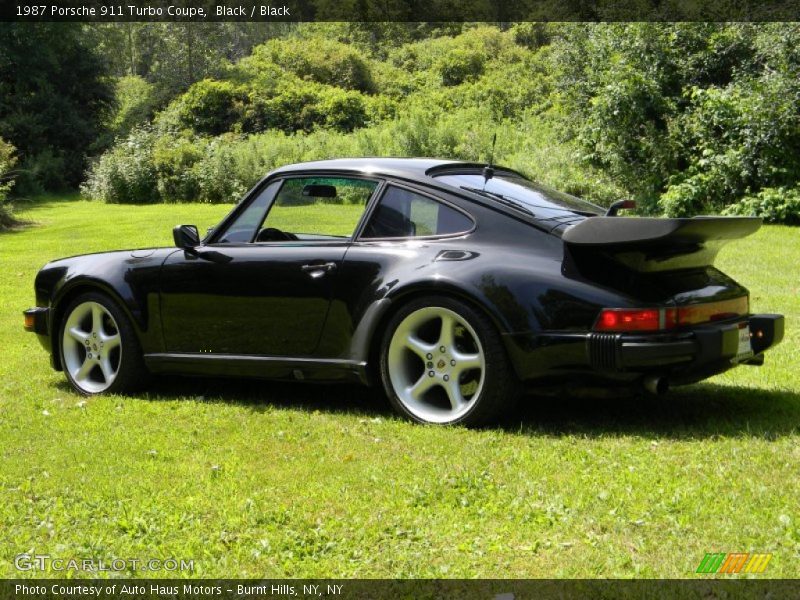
(272, 480)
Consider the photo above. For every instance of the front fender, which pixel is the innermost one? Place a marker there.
(130, 278)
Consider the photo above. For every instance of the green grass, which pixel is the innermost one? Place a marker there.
(262, 479)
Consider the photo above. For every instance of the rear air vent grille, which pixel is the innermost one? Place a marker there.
(603, 350)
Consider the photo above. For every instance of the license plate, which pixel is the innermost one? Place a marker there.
(745, 349)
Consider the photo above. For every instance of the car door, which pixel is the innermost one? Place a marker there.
(263, 284)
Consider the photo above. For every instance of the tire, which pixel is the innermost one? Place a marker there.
(100, 353)
(443, 362)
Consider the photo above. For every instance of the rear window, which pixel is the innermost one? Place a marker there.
(541, 201)
(402, 213)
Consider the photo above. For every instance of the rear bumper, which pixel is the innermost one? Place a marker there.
(701, 345)
(685, 356)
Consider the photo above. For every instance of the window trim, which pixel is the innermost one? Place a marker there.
(254, 193)
(430, 196)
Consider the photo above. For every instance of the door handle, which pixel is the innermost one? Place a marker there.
(318, 270)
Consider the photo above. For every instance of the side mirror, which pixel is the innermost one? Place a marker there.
(186, 236)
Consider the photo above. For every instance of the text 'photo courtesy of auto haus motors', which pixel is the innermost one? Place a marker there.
(454, 286)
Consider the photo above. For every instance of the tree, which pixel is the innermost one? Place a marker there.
(54, 94)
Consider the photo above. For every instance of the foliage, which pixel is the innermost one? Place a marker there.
(687, 118)
(690, 117)
(210, 107)
(127, 173)
(175, 161)
(173, 56)
(324, 61)
(774, 205)
(459, 66)
(8, 160)
(135, 105)
(53, 100)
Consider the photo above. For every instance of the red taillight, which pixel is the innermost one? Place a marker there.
(630, 319)
(660, 319)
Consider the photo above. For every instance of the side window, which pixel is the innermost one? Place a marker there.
(402, 213)
(309, 208)
(244, 227)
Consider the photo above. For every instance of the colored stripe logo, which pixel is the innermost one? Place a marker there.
(733, 562)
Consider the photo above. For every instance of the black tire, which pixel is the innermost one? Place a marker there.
(131, 373)
(500, 389)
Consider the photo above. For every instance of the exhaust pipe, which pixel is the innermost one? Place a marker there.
(656, 385)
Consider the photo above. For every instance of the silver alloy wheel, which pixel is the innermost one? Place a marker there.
(91, 347)
(436, 364)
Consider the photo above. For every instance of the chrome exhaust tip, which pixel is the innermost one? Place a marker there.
(656, 385)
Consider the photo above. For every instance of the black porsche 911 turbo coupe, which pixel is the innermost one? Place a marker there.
(456, 286)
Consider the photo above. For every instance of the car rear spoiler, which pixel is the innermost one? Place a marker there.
(656, 244)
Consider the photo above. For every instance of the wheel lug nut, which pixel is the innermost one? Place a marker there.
(430, 365)
(446, 378)
(431, 373)
(442, 349)
(429, 356)
(90, 355)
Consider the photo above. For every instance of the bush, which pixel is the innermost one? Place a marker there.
(690, 117)
(135, 105)
(219, 175)
(7, 161)
(343, 111)
(320, 60)
(459, 66)
(295, 108)
(126, 174)
(774, 205)
(211, 107)
(174, 160)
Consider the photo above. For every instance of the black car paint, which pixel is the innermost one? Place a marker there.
(252, 309)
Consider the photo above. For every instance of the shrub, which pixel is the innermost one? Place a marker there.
(459, 66)
(295, 108)
(321, 60)
(342, 111)
(135, 105)
(774, 205)
(125, 174)
(7, 161)
(219, 176)
(174, 160)
(211, 107)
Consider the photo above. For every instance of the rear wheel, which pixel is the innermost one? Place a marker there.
(99, 349)
(443, 362)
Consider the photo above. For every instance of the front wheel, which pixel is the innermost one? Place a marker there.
(99, 349)
(443, 362)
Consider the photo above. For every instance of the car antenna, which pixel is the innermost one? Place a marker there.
(488, 170)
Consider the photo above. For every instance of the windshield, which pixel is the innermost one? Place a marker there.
(521, 193)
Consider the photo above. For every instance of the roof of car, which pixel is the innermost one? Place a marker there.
(399, 167)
